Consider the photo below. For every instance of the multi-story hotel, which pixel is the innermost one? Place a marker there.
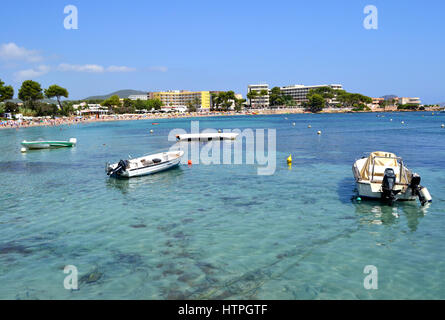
(138, 97)
(181, 98)
(260, 101)
(299, 92)
(405, 100)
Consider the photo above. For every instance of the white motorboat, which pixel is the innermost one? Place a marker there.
(144, 165)
(41, 144)
(206, 136)
(382, 175)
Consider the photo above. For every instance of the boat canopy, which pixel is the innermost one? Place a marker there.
(378, 161)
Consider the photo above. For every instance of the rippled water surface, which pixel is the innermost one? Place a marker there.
(221, 231)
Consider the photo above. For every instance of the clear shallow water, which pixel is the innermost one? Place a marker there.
(206, 232)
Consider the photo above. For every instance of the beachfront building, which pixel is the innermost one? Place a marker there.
(261, 100)
(92, 109)
(405, 100)
(376, 103)
(138, 97)
(181, 98)
(299, 92)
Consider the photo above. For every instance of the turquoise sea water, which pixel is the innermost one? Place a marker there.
(221, 231)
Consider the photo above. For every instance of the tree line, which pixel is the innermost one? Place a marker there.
(31, 93)
(224, 100)
(323, 97)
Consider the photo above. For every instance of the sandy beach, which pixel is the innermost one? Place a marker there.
(48, 122)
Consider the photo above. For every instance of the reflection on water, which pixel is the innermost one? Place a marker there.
(374, 212)
(126, 185)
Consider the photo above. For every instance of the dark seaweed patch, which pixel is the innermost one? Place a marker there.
(12, 247)
(138, 226)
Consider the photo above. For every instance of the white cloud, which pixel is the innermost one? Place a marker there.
(81, 68)
(94, 68)
(11, 51)
(29, 74)
(158, 68)
(120, 69)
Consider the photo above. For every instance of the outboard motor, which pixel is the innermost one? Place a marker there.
(418, 190)
(121, 167)
(388, 184)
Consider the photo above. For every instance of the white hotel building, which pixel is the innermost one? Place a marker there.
(405, 100)
(260, 101)
(298, 92)
(138, 97)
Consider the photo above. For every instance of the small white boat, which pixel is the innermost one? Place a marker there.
(206, 136)
(382, 175)
(49, 144)
(144, 165)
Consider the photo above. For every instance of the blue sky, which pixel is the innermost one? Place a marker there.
(225, 45)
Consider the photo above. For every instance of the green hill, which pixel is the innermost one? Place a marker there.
(123, 94)
(43, 100)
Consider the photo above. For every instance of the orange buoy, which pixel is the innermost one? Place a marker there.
(189, 162)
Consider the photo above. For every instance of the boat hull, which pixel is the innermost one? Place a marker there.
(373, 191)
(206, 136)
(145, 165)
(49, 144)
(149, 170)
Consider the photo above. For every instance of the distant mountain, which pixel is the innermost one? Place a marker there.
(389, 97)
(442, 104)
(43, 100)
(123, 94)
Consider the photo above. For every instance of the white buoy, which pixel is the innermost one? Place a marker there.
(151, 131)
(219, 131)
(390, 119)
(309, 126)
(318, 132)
(23, 150)
(403, 122)
(442, 126)
(293, 123)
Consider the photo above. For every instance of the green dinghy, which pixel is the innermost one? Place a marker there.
(49, 144)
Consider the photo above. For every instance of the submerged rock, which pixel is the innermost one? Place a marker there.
(207, 268)
(188, 277)
(172, 272)
(91, 277)
(129, 258)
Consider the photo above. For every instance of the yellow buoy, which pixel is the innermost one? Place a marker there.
(289, 159)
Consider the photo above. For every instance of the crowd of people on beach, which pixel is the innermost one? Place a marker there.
(50, 122)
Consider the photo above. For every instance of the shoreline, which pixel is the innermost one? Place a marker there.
(19, 124)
